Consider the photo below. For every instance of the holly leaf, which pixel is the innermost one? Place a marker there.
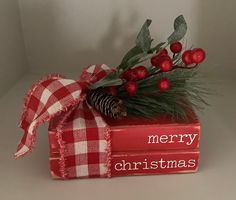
(111, 79)
(144, 39)
(180, 29)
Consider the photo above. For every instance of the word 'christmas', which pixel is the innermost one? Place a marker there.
(146, 164)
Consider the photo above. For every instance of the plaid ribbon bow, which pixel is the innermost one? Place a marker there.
(56, 96)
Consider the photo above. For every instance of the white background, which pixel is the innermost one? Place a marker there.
(48, 36)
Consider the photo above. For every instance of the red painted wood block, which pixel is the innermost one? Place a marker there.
(132, 134)
(144, 147)
(155, 137)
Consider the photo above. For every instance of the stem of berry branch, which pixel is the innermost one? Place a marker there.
(176, 67)
(185, 67)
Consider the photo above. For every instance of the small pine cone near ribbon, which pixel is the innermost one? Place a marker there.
(106, 104)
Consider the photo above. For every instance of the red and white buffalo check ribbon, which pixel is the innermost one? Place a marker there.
(88, 144)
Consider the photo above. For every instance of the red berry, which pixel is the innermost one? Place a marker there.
(163, 84)
(162, 52)
(125, 74)
(112, 90)
(131, 87)
(141, 72)
(198, 55)
(187, 57)
(130, 75)
(155, 59)
(165, 63)
(176, 47)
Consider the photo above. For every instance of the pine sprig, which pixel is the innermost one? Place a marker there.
(186, 90)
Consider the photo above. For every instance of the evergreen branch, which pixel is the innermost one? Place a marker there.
(186, 91)
(176, 67)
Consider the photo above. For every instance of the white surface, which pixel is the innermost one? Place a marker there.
(13, 62)
(29, 178)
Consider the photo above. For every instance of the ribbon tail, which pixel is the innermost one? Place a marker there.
(27, 141)
(48, 98)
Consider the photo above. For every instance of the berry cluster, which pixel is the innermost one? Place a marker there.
(164, 63)
(131, 76)
(194, 56)
(162, 60)
(134, 74)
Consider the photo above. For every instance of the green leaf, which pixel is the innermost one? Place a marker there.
(144, 39)
(134, 60)
(130, 54)
(180, 29)
(157, 47)
(143, 44)
(111, 79)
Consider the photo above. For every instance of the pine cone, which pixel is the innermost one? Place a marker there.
(106, 104)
